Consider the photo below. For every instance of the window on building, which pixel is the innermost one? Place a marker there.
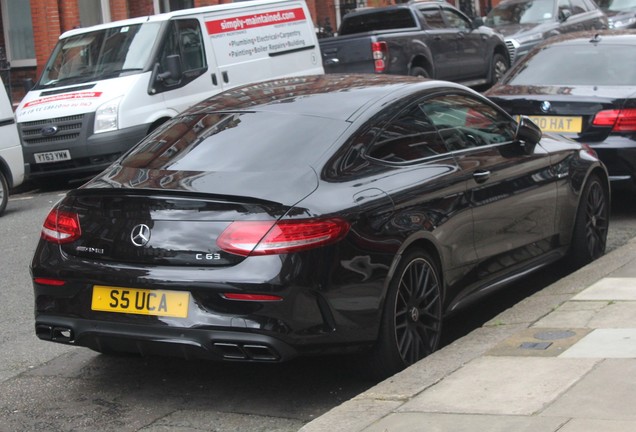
(94, 12)
(18, 33)
(162, 6)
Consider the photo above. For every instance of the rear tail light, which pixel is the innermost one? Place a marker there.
(623, 120)
(61, 227)
(269, 237)
(48, 281)
(380, 52)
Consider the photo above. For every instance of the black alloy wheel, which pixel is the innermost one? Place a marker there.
(500, 66)
(412, 321)
(4, 192)
(592, 223)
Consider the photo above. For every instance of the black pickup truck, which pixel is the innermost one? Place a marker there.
(421, 38)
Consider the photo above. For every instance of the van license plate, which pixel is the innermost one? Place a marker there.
(140, 301)
(54, 156)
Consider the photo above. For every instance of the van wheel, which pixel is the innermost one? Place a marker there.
(412, 317)
(4, 192)
(500, 66)
(419, 72)
(590, 228)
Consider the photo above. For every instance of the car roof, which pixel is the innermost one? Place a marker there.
(336, 96)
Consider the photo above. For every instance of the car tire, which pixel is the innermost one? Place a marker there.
(418, 71)
(589, 237)
(412, 316)
(499, 67)
(4, 193)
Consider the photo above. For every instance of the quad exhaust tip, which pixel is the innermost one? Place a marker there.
(234, 351)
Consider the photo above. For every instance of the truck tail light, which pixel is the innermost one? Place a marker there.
(380, 52)
(61, 227)
(623, 120)
(268, 237)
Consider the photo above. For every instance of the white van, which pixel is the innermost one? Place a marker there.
(11, 162)
(106, 87)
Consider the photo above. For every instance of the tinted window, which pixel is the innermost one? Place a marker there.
(578, 6)
(433, 18)
(612, 65)
(383, 20)
(409, 137)
(252, 141)
(455, 20)
(521, 12)
(465, 122)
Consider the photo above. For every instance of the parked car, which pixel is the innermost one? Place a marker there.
(621, 14)
(591, 100)
(526, 23)
(425, 39)
(313, 215)
(11, 159)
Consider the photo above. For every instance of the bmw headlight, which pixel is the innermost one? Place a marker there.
(106, 116)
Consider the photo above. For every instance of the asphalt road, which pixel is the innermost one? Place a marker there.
(50, 387)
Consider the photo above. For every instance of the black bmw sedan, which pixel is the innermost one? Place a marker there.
(313, 215)
(582, 86)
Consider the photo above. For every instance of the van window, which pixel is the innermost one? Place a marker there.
(184, 39)
(100, 54)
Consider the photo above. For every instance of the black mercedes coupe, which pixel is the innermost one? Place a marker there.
(314, 215)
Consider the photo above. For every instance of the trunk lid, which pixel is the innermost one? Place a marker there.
(174, 222)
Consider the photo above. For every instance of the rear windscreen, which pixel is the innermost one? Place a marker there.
(592, 64)
(236, 141)
(385, 20)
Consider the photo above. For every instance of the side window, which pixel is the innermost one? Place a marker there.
(185, 40)
(433, 18)
(455, 20)
(465, 122)
(409, 137)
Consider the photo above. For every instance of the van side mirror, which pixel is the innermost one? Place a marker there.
(173, 66)
(478, 22)
(28, 84)
(528, 134)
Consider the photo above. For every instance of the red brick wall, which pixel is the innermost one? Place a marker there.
(69, 15)
(47, 28)
(138, 8)
(119, 10)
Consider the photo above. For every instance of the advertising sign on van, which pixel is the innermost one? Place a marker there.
(256, 36)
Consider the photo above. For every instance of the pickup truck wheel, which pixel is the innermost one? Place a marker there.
(419, 72)
(499, 67)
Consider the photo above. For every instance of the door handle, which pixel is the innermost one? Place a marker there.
(225, 77)
(214, 80)
(481, 176)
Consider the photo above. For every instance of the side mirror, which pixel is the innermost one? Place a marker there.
(528, 134)
(28, 84)
(173, 66)
(564, 14)
(478, 22)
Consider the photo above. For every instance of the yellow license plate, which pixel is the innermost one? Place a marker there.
(140, 301)
(558, 123)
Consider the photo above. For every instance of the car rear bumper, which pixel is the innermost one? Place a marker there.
(190, 343)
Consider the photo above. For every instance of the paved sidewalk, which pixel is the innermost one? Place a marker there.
(561, 360)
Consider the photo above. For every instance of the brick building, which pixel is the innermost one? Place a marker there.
(29, 29)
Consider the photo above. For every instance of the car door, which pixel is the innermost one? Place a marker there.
(512, 194)
(440, 40)
(470, 58)
(411, 164)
